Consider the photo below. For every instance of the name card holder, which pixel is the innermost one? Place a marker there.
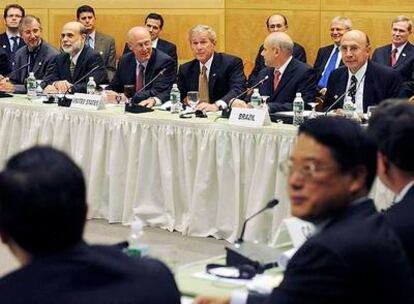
(254, 118)
(87, 101)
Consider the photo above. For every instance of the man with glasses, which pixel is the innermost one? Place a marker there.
(329, 57)
(144, 65)
(37, 53)
(275, 23)
(154, 23)
(354, 256)
(367, 83)
(10, 40)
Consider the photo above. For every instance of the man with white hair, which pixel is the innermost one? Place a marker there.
(74, 63)
(218, 77)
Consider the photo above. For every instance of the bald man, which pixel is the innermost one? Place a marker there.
(275, 23)
(142, 65)
(287, 75)
(74, 63)
(366, 82)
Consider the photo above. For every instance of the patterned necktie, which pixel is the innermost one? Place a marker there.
(329, 68)
(15, 45)
(276, 80)
(203, 85)
(139, 82)
(72, 67)
(394, 56)
(89, 41)
(352, 88)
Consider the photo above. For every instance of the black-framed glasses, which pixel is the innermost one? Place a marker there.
(307, 170)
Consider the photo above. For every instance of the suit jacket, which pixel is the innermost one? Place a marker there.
(87, 60)
(400, 217)
(90, 274)
(163, 45)
(160, 88)
(404, 65)
(5, 43)
(356, 258)
(380, 83)
(226, 78)
(298, 77)
(4, 63)
(105, 46)
(44, 58)
(322, 59)
(298, 53)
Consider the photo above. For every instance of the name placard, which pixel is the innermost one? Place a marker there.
(87, 101)
(249, 117)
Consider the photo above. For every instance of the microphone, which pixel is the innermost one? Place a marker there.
(152, 80)
(260, 82)
(16, 70)
(269, 205)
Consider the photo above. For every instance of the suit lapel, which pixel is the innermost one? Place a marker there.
(212, 77)
(194, 74)
(291, 67)
(403, 55)
(79, 64)
(369, 88)
(328, 52)
(39, 59)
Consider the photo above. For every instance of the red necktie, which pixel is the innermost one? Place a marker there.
(394, 57)
(276, 80)
(139, 84)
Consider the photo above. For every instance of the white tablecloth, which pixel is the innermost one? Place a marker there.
(196, 176)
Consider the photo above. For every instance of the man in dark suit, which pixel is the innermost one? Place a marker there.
(275, 23)
(400, 53)
(101, 43)
(366, 82)
(329, 57)
(218, 77)
(76, 61)
(43, 213)
(392, 127)
(37, 53)
(143, 65)
(4, 63)
(286, 75)
(354, 257)
(10, 40)
(154, 23)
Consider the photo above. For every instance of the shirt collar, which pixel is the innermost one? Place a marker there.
(360, 73)
(10, 35)
(207, 64)
(400, 48)
(404, 191)
(75, 58)
(284, 66)
(144, 64)
(154, 43)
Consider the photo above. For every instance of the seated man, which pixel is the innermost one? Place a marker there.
(275, 23)
(354, 257)
(43, 212)
(366, 82)
(218, 77)
(76, 61)
(101, 43)
(143, 65)
(37, 52)
(392, 127)
(287, 76)
(4, 63)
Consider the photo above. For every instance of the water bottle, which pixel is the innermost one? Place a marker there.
(256, 99)
(298, 106)
(175, 99)
(349, 108)
(91, 86)
(31, 85)
(136, 247)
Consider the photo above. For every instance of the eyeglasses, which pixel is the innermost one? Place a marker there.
(308, 170)
(14, 15)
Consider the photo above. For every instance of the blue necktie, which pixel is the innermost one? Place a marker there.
(329, 68)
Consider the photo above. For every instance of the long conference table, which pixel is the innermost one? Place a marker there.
(201, 177)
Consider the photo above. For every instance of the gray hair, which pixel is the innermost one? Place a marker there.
(27, 20)
(281, 40)
(344, 20)
(203, 28)
(403, 19)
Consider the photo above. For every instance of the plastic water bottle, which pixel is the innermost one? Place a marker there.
(298, 106)
(175, 99)
(349, 108)
(136, 247)
(256, 99)
(31, 85)
(91, 86)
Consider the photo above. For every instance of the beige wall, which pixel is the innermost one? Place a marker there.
(240, 24)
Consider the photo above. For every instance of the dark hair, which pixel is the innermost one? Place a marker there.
(392, 129)
(42, 201)
(6, 9)
(156, 17)
(283, 17)
(348, 142)
(84, 9)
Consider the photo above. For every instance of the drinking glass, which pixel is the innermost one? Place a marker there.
(313, 114)
(129, 91)
(193, 99)
(371, 110)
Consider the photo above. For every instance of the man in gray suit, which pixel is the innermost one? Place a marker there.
(36, 56)
(101, 43)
